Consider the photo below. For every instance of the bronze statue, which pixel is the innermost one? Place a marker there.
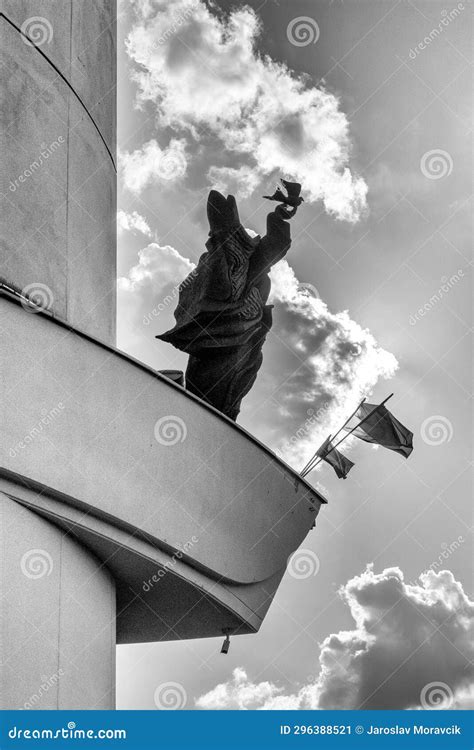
(222, 318)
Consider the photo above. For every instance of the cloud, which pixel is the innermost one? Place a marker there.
(157, 268)
(238, 693)
(147, 297)
(132, 222)
(407, 637)
(326, 364)
(151, 164)
(208, 82)
(412, 647)
(241, 181)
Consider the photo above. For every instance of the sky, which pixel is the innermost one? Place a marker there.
(368, 105)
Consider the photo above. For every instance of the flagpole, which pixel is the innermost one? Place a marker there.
(306, 469)
(314, 456)
(348, 420)
(354, 428)
(303, 471)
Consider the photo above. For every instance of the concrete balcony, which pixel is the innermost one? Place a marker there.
(193, 518)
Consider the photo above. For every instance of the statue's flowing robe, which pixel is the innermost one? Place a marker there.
(222, 317)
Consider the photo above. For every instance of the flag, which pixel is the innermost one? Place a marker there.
(335, 458)
(382, 428)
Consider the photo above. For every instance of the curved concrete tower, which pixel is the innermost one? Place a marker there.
(58, 190)
(58, 156)
(130, 510)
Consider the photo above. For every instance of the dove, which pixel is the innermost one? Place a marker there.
(292, 198)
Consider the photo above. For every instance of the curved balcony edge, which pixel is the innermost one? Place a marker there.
(233, 508)
(159, 597)
(9, 292)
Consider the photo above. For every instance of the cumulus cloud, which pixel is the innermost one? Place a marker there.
(132, 222)
(238, 693)
(328, 364)
(151, 164)
(240, 181)
(412, 647)
(157, 268)
(147, 297)
(205, 77)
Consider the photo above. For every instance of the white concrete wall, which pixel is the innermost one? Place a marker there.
(58, 226)
(57, 634)
(57, 238)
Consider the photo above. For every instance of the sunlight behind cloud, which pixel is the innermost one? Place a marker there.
(206, 80)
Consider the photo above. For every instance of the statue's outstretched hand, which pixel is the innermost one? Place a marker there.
(284, 212)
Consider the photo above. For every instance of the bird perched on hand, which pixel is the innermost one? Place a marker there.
(292, 198)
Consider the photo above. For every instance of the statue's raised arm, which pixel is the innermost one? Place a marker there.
(222, 318)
